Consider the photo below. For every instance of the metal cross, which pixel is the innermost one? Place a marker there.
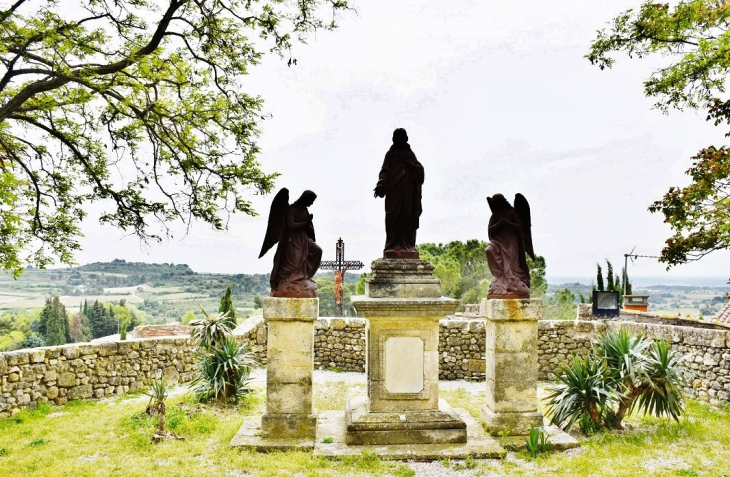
(339, 266)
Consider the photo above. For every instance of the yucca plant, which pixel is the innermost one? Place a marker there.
(662, 393)
(211, 329)
(224, 366)
(625, 371)
(157, 393)
(583, 388)
(642, 371)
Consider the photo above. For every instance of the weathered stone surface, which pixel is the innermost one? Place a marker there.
(511, 423)
(402, 279)
(290, 353)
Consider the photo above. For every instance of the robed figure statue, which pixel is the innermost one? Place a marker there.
(400, 181)
(297, 257)
(510, 239)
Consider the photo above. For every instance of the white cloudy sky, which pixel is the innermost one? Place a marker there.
(496, 97)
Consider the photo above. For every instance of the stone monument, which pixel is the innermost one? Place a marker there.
(511, 327)
(403, 306)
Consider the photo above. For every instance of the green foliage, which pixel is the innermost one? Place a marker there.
(226, 307)
(80, 328)
(561, 306)
(328, 440)
(537, 442)
(33, 340)
(38, 443)
(582, 389)
(138, 104)
(538, 282)
(258, 302)
(224, 366)
(188, 317)
(4, 451)
(609, 276)
(54, 322)
(360, 289)
(694, 36)
(326, 294)
(625, 371)
(599, 278)
(461, 267)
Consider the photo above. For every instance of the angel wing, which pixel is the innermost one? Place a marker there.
(523, 212)
(277, 218)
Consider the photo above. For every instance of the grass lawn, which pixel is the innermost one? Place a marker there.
(107, 438)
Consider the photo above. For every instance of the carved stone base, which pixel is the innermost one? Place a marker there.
(515, 423)
(402, 279)
(440, 426)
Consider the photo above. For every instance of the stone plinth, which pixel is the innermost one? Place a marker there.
(403, 306)
(511, 365)
(290, 355)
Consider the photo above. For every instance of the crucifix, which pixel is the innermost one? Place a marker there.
(339, 266)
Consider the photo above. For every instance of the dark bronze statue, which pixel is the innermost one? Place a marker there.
(510, 238)
(400, 181)
(297, 256)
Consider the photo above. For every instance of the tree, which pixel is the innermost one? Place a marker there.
(138, 104)
(599, 277)
(188, 317)
(695, 35)
(227, 307)
(257, 302)
(609, 276)
(56, 325)
(80, 329)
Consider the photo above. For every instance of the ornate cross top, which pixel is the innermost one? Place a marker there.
(339, 266)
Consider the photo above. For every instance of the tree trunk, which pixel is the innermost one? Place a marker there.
(595, 415)
(161, 418)
(624, 405)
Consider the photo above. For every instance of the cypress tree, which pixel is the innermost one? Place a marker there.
(599, 277)
(227, 306)
(43, 319)
(57, 325)
(609, 276)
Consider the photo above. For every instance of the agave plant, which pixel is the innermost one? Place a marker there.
(224, 366)
(583, 388)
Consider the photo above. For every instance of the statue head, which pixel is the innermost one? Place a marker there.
(498, 203)
(400, 137)
(306, 199)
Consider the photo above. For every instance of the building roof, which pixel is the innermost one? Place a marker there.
(723, 316)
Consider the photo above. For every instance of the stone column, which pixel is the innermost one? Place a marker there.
(290, 355)
(511, 365)
(403, 306)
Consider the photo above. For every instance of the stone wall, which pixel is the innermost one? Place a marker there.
(706, 352)
(339, 343)
(57, 374)
(156, 331)
(80, 371)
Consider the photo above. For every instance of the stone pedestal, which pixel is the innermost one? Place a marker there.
(290, 355)
(403, 306)
(511, 365)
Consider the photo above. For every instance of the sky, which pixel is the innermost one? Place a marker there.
(496, 97)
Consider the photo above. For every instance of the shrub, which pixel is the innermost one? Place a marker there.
(625, 371)
(224, 366)
(34, 340)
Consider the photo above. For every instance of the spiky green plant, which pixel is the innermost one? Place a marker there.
(583, 388)
(157, 393)
(224, 366)
(211, 329)
(537, 442)
(224, 372)
(662, 394)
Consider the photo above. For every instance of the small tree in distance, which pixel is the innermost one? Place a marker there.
(226, 307)
(599, 277)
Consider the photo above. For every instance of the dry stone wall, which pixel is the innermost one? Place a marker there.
(57, 374)
(81, 371)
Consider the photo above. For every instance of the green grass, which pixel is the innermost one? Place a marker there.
(111, 438)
